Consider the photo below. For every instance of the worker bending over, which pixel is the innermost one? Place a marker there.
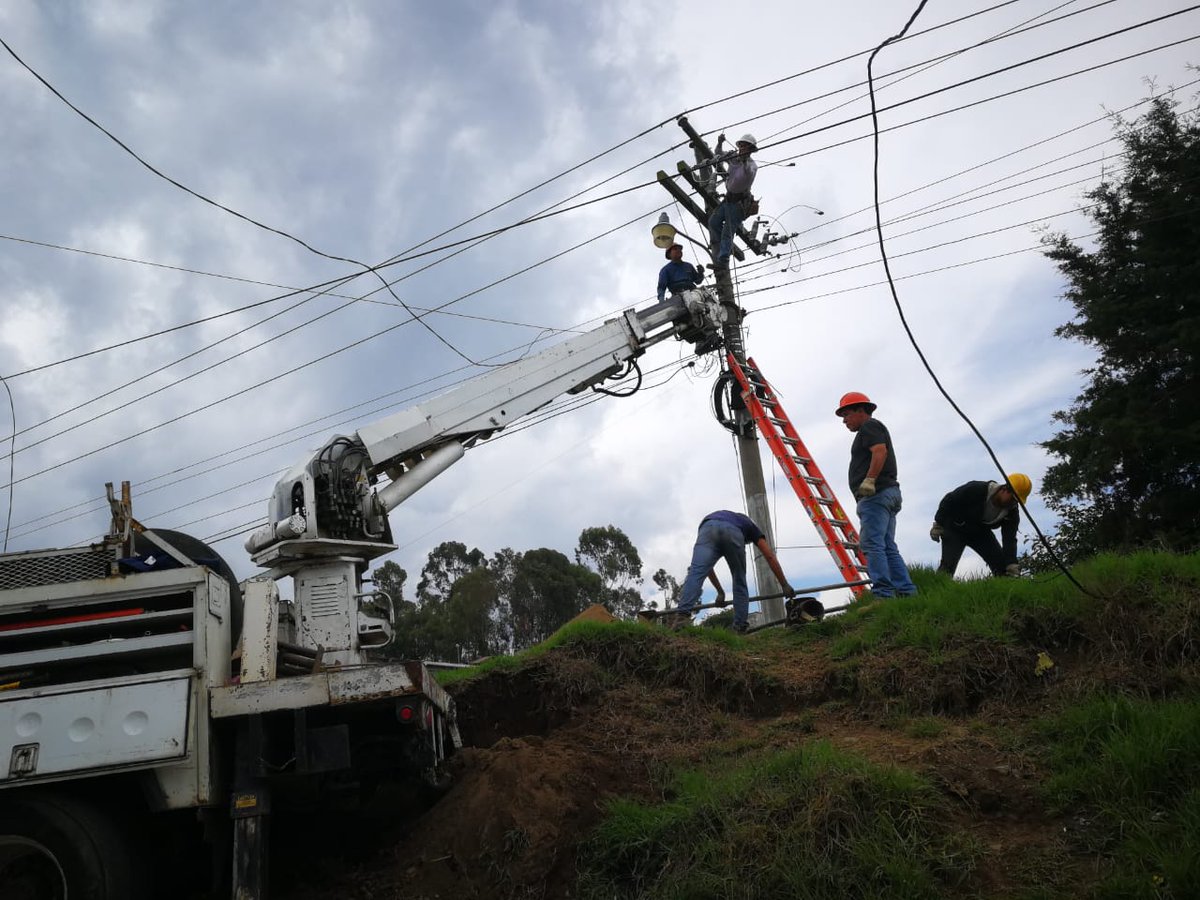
(968, 517)
(725, 534)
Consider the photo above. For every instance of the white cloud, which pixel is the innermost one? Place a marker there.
(366, 129)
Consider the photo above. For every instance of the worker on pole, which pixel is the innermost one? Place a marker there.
(970, 514)
(739, 178)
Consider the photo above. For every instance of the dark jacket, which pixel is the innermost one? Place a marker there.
(962, 510)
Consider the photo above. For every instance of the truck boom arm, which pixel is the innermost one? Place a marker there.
(328, 504)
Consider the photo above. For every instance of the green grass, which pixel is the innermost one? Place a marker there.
(806, 823)
(947, 612)
(1126, 773)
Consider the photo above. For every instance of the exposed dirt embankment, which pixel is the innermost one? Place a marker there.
(610, 712)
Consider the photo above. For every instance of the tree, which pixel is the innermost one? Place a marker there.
(547, 591)
(669, 586)
(391, 578)
(446, 563)
(1129, 451)
(609, 552)
(470, 612)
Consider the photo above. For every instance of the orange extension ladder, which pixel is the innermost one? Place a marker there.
(828, 517)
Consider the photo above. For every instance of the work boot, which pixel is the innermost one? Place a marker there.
(741, 629)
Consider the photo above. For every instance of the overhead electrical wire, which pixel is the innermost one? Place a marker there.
(473, 218)
(242, 528)
(355, 274)
(912, 70)
(396, 259)
(142, 396)
(904, 321)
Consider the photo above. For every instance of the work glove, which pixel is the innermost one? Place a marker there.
(1012, 570)
(935, 532)
(866, 488)
(700, 270)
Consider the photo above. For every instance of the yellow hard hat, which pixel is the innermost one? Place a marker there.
(1021, 485)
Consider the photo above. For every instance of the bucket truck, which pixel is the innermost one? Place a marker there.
(149, 701)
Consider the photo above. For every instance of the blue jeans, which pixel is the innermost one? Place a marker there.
(723, 226)
(718, 540)
(877, 532)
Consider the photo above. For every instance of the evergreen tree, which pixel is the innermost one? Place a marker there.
(1129, 451)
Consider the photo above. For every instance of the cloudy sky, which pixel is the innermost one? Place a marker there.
(375, 130)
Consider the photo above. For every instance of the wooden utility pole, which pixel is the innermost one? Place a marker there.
(698, 178)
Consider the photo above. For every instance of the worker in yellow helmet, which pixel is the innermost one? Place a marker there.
(969, 515)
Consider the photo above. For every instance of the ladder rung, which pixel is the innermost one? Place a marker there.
(840, 523)
(825, 501)
(803, 460)
(775, 420)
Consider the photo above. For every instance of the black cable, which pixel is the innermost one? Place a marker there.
(173, 328)
(428, 380)
(980, 102)
(12, 406)
(233, 212)
(843, 59)
(539, 217)
(244, 351)
(915, 68)
(1056, 79)
(904, 321)
(578, 403)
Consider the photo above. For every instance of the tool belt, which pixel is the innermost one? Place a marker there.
(749, 206)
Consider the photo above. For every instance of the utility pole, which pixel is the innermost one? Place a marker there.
(700, 180)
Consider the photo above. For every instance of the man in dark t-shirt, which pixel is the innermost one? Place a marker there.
(725, 534)
(874, 483)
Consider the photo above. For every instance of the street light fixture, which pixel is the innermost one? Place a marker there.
(665, 234)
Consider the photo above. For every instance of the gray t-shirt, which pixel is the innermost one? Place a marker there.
(871, 433)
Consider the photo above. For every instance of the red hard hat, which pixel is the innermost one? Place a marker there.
(854, 398)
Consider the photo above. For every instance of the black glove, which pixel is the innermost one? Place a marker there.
(700, 270)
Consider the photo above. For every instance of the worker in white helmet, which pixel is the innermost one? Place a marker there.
(739, 178)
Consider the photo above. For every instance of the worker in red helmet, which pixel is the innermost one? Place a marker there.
(874, 483)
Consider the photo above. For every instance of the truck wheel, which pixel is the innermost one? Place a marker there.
(54, 847)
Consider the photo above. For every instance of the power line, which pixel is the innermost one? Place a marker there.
(904, 321)
(550, 213)
(916, 68)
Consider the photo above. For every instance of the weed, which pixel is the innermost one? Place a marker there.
(806, 823)
(925, 727)
(1128, 773)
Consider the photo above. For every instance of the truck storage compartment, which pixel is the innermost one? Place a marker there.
(43, 733)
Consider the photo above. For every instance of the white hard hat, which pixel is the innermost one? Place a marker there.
(748, 139)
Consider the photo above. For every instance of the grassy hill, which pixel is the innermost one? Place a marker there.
(994, 739)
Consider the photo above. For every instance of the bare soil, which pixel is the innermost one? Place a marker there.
(550, 743)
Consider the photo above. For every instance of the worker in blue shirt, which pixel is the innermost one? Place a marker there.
(678, 275)
(724, 535)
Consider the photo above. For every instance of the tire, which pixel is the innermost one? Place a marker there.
(200, 552)
(54, 847)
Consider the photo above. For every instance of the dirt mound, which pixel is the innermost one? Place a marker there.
(611, 711)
